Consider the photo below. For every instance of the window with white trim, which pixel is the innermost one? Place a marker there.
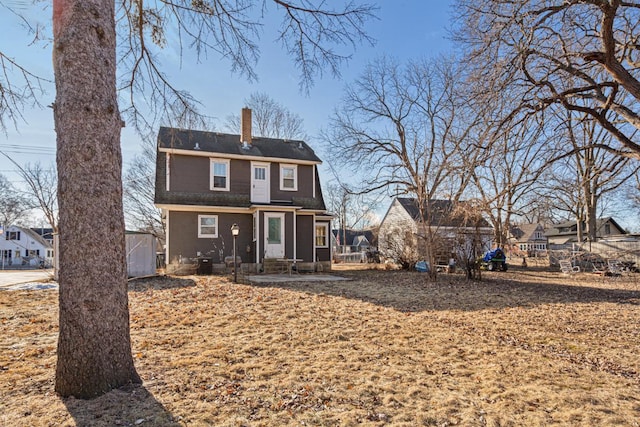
(207, 226)
(289, 177)
(219, 174)
(322, 235)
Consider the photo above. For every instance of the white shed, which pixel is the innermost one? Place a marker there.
(141, 254)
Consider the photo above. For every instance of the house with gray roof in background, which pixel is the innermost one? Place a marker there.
(453, 231)
(566, 233)
(528, 240)
(270, 188)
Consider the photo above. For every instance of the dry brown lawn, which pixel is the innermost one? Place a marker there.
(522, 348)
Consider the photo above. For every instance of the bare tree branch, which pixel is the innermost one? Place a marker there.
(577, 55)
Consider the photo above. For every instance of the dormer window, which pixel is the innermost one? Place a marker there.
(289, 177)
(219, 175)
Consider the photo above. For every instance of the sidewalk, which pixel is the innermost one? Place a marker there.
(10, 278)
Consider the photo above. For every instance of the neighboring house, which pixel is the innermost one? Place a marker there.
(270, 188)
(23, 247)
(528, 239)
(567, 232)
(352, 240)
(452, 233)
(45, 233)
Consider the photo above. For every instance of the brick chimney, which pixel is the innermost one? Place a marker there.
(245, 126)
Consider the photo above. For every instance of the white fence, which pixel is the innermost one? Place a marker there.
(624, 250)
(353, 257)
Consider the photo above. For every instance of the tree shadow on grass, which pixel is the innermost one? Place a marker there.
(128, 406)
(412, 292)
(158, 283)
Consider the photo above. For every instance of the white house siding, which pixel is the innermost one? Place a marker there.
(395, 225)
(22, 247)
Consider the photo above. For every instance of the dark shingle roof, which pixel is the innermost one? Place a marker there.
(352, 236)
(223, 143)
(440, 213)
(569, 228)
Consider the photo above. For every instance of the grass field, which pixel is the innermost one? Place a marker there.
(523, 348)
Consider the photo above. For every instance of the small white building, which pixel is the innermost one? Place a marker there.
(23, 247)
(141, 254)
(140, 251)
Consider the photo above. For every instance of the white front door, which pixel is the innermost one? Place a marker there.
(274, 235)
(260, 182)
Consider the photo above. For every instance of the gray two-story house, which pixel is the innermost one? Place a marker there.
(270, 188)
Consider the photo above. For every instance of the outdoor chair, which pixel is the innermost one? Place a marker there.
(599, 268)
(567, 268)
(616, 269)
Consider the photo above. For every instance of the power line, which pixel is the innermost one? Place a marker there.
(27, 149)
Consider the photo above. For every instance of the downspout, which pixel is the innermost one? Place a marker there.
(313, 256)
(295, 235)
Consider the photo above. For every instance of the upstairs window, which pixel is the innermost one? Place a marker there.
(13, 235)
(289, 177)
(219, 175)
(208, 226)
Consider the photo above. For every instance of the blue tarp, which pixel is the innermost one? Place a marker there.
(422, 266)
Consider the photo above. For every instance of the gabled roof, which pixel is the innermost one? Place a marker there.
(35, 236)
(569, 228)
(354, 237)
(439, 213)
(229, 144)
(360, 240)
(525, 232)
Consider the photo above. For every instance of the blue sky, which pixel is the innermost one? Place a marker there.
(406, 30)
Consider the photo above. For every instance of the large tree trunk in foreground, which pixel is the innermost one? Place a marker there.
(94, 349)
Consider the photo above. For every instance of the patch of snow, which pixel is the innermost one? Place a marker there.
(34, 286)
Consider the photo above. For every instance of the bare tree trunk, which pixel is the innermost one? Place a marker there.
(579, 222)
(94, 349)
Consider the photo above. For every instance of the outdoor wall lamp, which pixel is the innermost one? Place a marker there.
(235, 230)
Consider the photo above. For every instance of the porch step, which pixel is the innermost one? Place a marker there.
(273, 266)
